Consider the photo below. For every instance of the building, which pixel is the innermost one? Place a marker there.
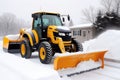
(83, 32)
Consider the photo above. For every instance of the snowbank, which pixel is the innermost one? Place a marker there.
(109, 40)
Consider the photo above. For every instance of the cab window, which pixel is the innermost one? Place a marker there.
(51, 20)
(37, 23)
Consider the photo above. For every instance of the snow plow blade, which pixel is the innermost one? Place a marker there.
(71, 61)
(11, 45)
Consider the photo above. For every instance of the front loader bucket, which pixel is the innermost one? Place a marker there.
(72, 60)
(10, 45)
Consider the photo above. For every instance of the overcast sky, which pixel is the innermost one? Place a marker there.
(24, 8)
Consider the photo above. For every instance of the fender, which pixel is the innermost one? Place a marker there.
(36, 36)
(32, 36)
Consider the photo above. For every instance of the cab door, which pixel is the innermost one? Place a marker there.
(37, 25)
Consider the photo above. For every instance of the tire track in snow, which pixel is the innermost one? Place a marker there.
(110, 72)
(107, 76)
(112, 63)
(112, 60)
(93, 75)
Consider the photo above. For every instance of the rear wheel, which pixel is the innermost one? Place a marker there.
(76, 46)
(45, 52)
(25, 49)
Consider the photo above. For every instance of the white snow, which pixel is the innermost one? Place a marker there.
(26, 69)
(108, 73)
(82, 66)
(82, 25)
(22, 69)
(13, 37)
(17, 68)
(63, 27)
(109, 40)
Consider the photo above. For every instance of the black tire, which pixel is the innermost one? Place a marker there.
(76, 46)
(45, 52)
(27, 53)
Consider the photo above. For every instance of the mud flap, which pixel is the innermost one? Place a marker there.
(72, 60)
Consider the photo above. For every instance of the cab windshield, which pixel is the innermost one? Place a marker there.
(51, 20)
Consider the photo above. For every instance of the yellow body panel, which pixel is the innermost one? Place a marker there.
(23, 32)
(61, 44)
(36, 36)
(58, 40)
(73, 60)
(5, 42)
(30, 38)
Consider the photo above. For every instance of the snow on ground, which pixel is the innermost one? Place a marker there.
(22, 69)
(109, 40)
(107, 73)
(17, 68)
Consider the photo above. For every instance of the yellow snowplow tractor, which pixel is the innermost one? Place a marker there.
(48, 36)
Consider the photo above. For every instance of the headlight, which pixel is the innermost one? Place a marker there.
(70, 34)
(62, 34)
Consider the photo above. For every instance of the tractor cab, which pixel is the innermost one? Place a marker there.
(42, 20)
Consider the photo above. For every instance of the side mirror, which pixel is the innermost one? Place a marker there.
(63, 19)
(34, 16)
(68, 18)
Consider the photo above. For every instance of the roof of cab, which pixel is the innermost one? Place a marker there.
(46, 13)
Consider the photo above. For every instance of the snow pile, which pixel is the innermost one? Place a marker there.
(82, 66)
(109, 40)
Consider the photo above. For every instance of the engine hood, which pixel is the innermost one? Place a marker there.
(63, 29)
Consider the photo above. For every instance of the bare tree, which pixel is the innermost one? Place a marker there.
(107, 4)
(116, 6)
(89, 14)
(10, 24)
(111, 5)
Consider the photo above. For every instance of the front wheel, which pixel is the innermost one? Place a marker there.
(45, 52)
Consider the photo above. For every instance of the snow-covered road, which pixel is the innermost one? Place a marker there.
(8, 68)
(17, 68)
